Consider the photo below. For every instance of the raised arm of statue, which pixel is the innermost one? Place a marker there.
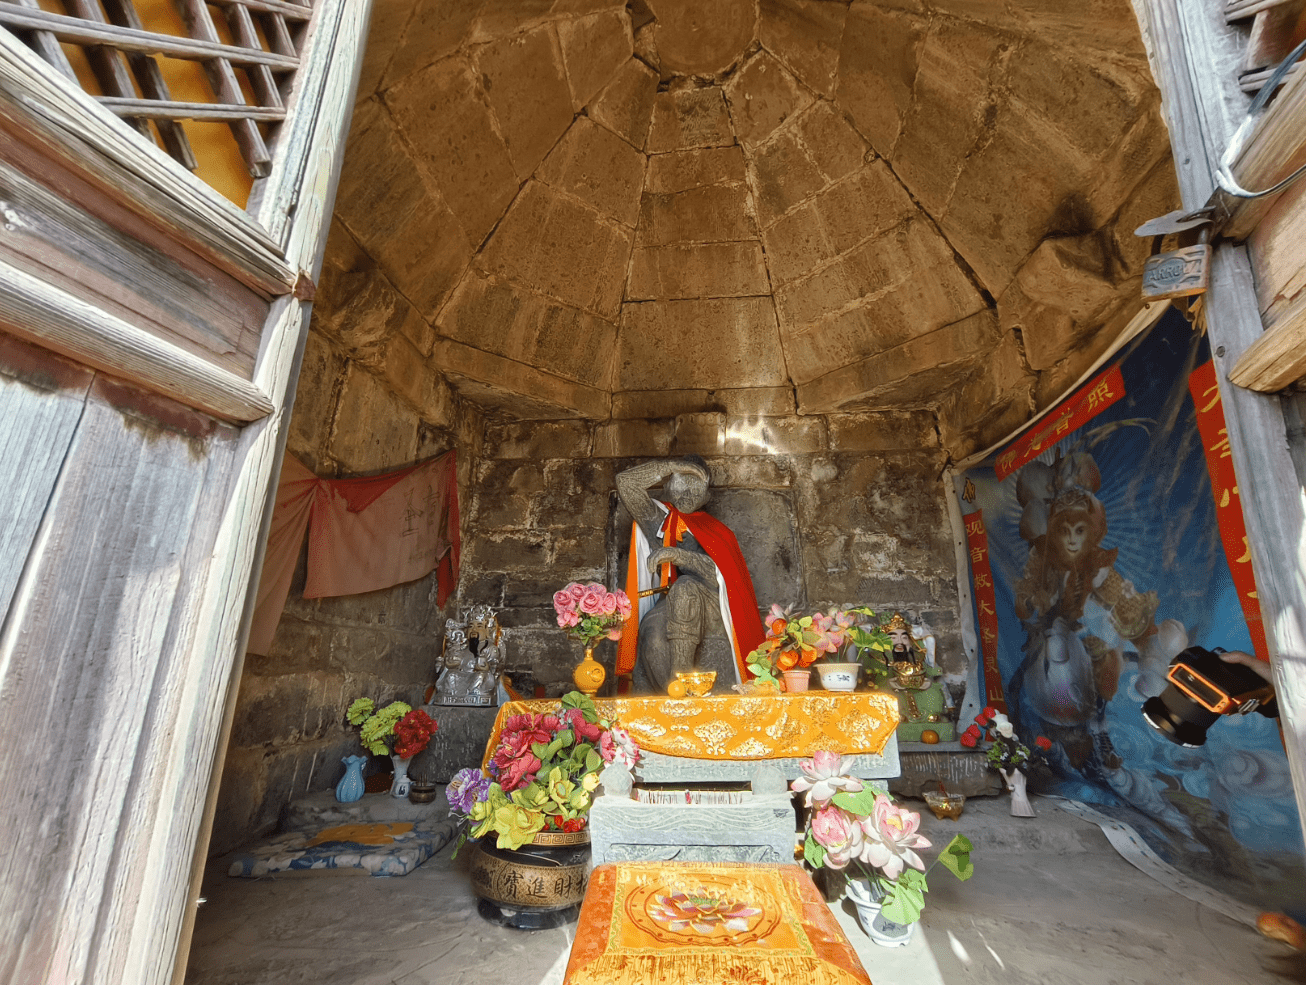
(687, 490)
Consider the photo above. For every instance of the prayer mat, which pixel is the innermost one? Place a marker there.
(364, 849)
(699, 923)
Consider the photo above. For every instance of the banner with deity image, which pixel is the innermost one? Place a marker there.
(1112, 540)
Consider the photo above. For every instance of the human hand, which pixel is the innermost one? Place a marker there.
(1261, 667)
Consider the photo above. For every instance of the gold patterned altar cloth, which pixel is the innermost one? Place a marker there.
(741, 726)
(695, 923)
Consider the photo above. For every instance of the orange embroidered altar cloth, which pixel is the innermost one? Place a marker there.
(666, 923)
(741, 726)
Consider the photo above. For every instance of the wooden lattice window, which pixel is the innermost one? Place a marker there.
(1278, 26)
(123, 53)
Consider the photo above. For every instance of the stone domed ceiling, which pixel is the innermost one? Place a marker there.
(609, 209)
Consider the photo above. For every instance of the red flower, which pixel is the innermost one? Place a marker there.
(987, 715)
(1043, 742)
(574, 824)
(413, 732)
(970, 738)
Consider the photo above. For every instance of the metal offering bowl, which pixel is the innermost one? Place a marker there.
(945, 804)
(698, 683)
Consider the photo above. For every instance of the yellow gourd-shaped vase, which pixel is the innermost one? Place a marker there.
(589, 674)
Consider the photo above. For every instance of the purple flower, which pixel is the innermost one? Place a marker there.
(467, 787)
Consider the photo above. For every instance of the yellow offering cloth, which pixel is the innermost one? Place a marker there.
(740, 726)
(698, 923)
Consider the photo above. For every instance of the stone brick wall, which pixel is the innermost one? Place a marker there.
(845, 508)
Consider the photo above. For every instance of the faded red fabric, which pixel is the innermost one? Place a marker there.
(364, 535)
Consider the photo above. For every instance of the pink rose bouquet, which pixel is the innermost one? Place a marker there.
(590, 613)
(856, 827)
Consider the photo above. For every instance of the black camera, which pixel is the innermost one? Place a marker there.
(1202, 688)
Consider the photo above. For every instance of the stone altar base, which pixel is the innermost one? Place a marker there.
(961, 770)
(460, 740)
(761, 829)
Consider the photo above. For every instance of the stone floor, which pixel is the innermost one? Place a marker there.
(1050, 903)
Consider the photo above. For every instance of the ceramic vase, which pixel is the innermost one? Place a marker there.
(350, 787)
(797, 680)
(399, 786)
(589, 674)
(1020, 805)
(537, 886)
(867, 897)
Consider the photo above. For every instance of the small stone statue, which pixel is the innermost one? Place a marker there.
(455, 680)
(922, 700)
(473, 654)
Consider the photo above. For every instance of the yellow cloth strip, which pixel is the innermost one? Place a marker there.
(739, 726)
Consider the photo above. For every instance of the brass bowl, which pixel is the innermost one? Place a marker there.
(698, 683)
(909, 680)
(945, 804)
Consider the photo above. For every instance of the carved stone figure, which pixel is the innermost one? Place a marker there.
(485, 641)
(707, 617)
(922, 700)
(455, 680)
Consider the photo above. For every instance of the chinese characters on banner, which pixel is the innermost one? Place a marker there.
(1229, 512)
(977, 544)
(1076, 411)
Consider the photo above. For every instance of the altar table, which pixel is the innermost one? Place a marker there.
(668, 923)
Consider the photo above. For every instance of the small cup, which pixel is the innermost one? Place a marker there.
(698, 683)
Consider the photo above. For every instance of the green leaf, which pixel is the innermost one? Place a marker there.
(813, 853)
(905, 897)
(593, 761)
(540, 751)
(861, 803)
(585, 705)
(955, 857)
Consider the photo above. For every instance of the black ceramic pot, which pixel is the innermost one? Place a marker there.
(536, 886)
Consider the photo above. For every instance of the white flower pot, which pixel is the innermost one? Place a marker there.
(839, 677)
(866, 897)
(401, 784)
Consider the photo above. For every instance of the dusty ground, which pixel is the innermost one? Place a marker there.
(1051, 903)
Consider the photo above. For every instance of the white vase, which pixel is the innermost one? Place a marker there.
(399, 787)
(839, 677)
(1020, 805)
(866, 896)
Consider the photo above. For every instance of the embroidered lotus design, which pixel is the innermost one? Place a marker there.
(702, 911)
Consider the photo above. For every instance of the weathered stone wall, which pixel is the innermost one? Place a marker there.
(370, 399)
(830, 509)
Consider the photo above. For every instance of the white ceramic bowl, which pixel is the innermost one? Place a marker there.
(839, 677)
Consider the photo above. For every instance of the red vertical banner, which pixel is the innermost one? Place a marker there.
(977, 544)
(1228, 506)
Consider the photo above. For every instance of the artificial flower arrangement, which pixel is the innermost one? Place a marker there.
(542, 774)
(590, 613)
(798, 641)
(397, 728)
(1007, 752)
(857, 827)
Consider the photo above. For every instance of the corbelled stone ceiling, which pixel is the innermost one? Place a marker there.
(608, 209)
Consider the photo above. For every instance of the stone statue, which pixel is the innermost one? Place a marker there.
(485, 641)
(707, 617)
(922, 700)
(455, 680)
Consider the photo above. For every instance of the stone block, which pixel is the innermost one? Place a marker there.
(593, 49)
(759, 830)
(384, 28)
(723, 342)
(527, 87)
(909, 430)
(702, 37)
(530, 329)
(460, 740)
(699, 434)
(560, 247)
(831, 142)
(644, 438)
(528, 394)
(435, 29)
(762, 96)
(539, 440)
(625, 106)
(501, 550)
(688, 117)
(741, 402)
(506, 493)
(680, 171)
(964, 771)
(783, 176)
(711, 214)
(373, 429)
(315, 400)
(877, 67)
(503, 18)
(805, 35)
(597, 167)
(446, 118)
(705, 270)
(775, 436)
(754, 472)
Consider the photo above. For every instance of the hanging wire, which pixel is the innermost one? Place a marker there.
(1224, 174)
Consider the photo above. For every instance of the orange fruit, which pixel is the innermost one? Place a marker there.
(929, 737)
(676, 689)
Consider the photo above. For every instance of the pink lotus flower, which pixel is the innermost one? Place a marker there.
(822, 778)
(839, 834)
(890, 838)
(702, 912)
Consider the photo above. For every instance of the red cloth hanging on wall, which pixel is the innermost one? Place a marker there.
(364, 535)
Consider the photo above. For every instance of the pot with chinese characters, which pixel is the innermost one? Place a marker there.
(839, 676)
(534, 887)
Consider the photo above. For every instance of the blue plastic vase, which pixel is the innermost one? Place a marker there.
(350, 787)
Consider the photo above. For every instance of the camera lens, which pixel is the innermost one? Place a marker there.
(1179, 718)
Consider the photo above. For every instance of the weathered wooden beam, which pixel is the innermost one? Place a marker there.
(1237, 10)
(1193, 55)
(38, 312)
(47, 46)
(126, 39)
(1277, 358)
(221, 112)
(1253, 81)
(291, 11)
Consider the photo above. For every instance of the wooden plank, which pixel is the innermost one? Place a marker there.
(197, 307)
(47, 46)
(1277, 358)
(41, 399)
(56, 120)
(1191, 67)
(80, 651)
(1253, 81)
(54, 319)
(107, 63)
(126, 39)
(274, 27)
(1242, 9)
(292, 11)
(1272, 34)
(191, 111)
(260, 76)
